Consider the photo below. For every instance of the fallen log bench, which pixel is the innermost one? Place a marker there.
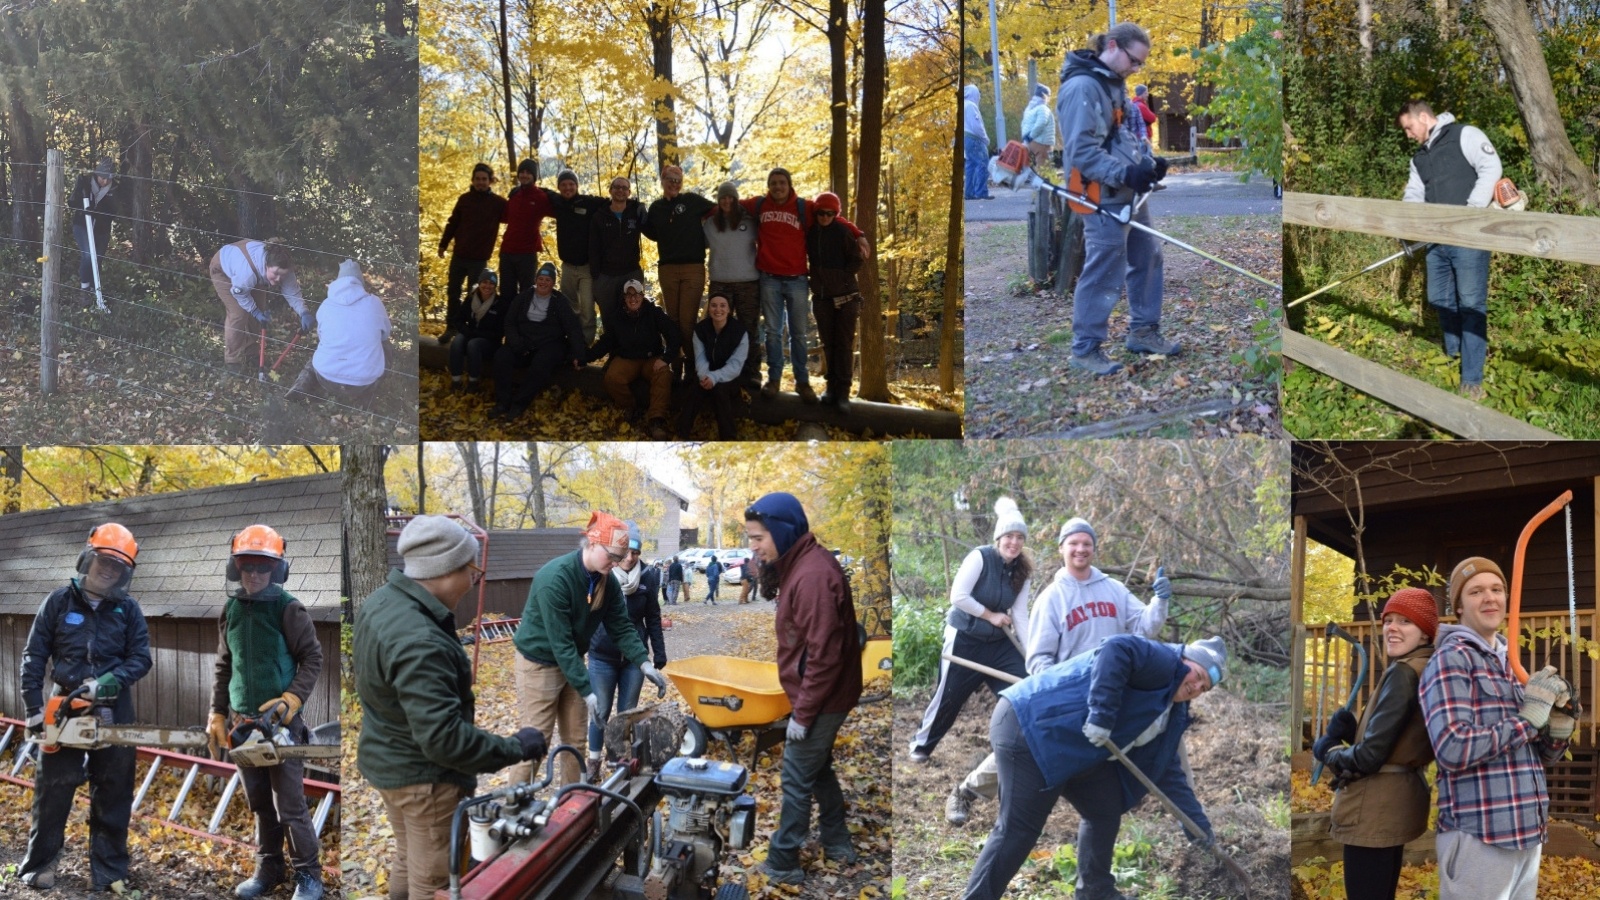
(882, 419)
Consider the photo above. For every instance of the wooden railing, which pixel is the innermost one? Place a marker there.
(1331, 661)
(1544, 235)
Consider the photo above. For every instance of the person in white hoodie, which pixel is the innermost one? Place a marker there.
(1081, 607)
(975, 147)
(353, 347)
(1039, 126)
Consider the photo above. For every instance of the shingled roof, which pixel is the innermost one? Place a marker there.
(183, 545)
(515, 554)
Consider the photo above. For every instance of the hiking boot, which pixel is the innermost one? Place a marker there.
(658, 429)
(807, 395)
(269, 874)
(844, 854)
(958, 807)
(42, 880)
(307, 884)
(769, 390)
(782, 876)
(1473, 392)
(594, 773)
(1149, 340)
(1096, 363)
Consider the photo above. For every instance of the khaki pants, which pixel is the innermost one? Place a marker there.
(577, 285)
(239, 329)
(420, 816)
(545, 701)
(682, 286)
(621, 373)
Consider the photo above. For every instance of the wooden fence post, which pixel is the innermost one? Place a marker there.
(53, 192)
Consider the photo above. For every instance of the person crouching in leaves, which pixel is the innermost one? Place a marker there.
(268, 657)
(720, 346)
(641, 340)
(1380, 800)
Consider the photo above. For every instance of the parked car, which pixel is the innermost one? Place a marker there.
(699, 563)
(733, 565)
(690, 557)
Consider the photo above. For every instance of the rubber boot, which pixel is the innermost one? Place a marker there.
(307, 884)
(269, 874)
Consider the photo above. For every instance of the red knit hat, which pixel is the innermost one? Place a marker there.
(1417, 605)
(607, 530)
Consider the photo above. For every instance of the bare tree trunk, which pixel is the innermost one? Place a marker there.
(891, 319)
(366, 546)
(422, 483)
(869, 165)
(952, 276)
(839, 135)
(474, 473)
(138, 158)
(1557, 163)
(505, 89)
(1364, 28)
(494, 485)
(11, 471)
(536, 486)
(660, 23)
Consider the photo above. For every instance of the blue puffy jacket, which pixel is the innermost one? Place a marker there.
(1124, 684)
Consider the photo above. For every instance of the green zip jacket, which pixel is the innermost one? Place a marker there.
(557, 623)
(415, 685)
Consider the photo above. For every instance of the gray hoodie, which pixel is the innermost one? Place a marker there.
(972, 115)
(1089, 95)
(1071, 617)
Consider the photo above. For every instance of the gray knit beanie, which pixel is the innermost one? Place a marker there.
(728, 189)
(350, 269)
(435, 545)
(1076, 525)
(1007, 518)
(1211, 654)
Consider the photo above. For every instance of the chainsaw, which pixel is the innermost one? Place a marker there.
(81, 721)
(262, 740)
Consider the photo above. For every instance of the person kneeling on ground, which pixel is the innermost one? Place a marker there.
(419, 747)
(720, 347)
(1049, 733)
(542, 332)
(640, 341)
(352, 344)
(479, 324)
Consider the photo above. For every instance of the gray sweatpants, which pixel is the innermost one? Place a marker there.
(1469, 869)
(1115, 255)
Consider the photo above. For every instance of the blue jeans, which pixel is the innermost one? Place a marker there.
(1458, 289)
(782, 297)
(608, 678)
(472, 354)
(808, 772)
(1115, 256)
(672, 592)
(975, 168)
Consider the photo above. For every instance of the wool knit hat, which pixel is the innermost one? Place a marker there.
(350, 269)
(435, 545)
(548, 268)
(1076, 525)
(1417, 605)
(529, 166)
(634, 543)
(105, 167)
(1464, 570)
(728, 189)
(489, 276)
(607, 530)
(1007, 518)
(1211, 654)
(567, 175)
(784, 518)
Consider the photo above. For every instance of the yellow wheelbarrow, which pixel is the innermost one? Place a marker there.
(729, 697)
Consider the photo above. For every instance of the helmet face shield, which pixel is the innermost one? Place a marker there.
(256, 577)
(104, 573)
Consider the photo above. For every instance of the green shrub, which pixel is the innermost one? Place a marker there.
(918, 640)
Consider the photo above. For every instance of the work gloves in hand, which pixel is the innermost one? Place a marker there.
(593, 703)
(797, 732)
(1161, 168)
(1341, 728)
(1139, 178)
(35, 722)
(307, 322)
(651, 673)
(1562, 724)
(217, 731)
(533, 743)
(1100, 737)
(288, 714)
(106, 687)
(1161, 586)
(1544, 690)
(261, 315)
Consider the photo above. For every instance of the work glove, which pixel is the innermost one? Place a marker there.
(1341, 728)
(1161, 586)
(36, 722)
(593, 703)
(655, 679)
(1139, 178)
(1100, 737)
(289, 698)
(797, 732)
(261, 316)
(1562, 724)
(217, 731)
(1543, 690)
(307, 322)
(1161, 168)
(533, 743)
(106, 687)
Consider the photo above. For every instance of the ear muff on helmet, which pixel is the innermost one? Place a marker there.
(258, 540)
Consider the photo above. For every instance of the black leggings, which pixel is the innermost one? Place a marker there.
(956, 683)
(1372, 873)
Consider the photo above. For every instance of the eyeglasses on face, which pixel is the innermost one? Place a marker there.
(258, 567)
(616, 557)
(477, 574)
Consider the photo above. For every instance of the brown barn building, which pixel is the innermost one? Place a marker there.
(1430, 505)
(183, 547)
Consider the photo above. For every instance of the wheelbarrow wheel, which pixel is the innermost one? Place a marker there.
(732, 892)
(695, 740)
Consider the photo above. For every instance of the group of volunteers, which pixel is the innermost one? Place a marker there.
(673, 570)
(730, 268)
(589, 638)
(352, 326)
(1085, 671)
(90, 637)
(1449, 695)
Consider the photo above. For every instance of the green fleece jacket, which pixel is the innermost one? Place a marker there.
(415, 686)
(560, 619)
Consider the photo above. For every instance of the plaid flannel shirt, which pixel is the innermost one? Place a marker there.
(1491, 761)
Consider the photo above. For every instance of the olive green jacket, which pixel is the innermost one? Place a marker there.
(415, 686)
(561, 618)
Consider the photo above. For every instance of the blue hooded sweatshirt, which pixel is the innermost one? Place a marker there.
(783, 516)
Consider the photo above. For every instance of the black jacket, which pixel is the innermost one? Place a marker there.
(573, 224)
(644, 611)
(78, 642)
(613, 241)
(109, 207)
(560, 325)
(491, 327)
(834, 258)
(675, 227)
(648, 335)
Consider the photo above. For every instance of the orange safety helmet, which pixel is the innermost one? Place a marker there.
(114, 543)
(258, 540)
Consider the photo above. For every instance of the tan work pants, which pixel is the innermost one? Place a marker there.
(240, 329)
(420, 816)
(546, 701)
(620, 373)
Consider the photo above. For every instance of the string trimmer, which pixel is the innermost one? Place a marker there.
(1406, 249)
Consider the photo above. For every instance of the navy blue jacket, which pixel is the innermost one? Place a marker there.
(644, 612)
(1124, 684)
(79, 642)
